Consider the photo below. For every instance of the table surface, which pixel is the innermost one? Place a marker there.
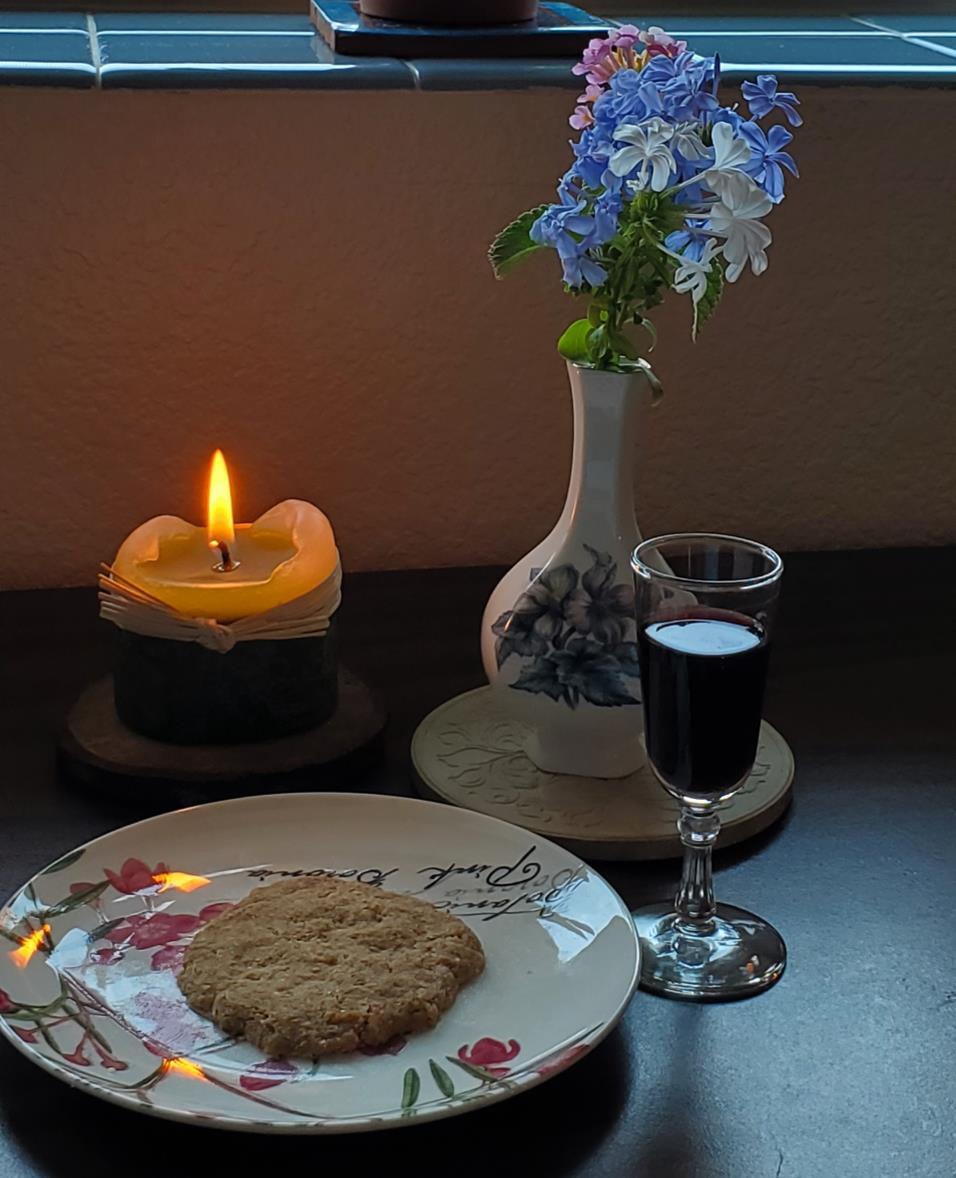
(846, 1069)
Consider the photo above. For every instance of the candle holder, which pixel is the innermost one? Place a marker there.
(197, 709)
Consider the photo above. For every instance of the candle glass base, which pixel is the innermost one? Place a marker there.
(733, 954)
(182, 693)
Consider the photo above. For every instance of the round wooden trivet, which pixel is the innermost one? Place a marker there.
(471, 753)
(97, 750)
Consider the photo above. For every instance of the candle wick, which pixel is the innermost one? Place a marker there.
(225, 564)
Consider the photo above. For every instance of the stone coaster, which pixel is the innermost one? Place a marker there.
(471, 753)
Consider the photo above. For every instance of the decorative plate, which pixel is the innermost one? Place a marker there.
(93, 943)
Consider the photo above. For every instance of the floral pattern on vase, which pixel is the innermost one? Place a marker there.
(558, 635)
(577, 635)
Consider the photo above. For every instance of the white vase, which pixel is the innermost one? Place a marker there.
(558, 637)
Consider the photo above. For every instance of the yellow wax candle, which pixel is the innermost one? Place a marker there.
(225, 570)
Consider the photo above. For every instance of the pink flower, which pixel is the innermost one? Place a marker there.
(211, 911)
(24, 1034)
(106, 956)
(135, 877)
(488, 1052)
(564, 1060)
(267, 1074)
(660, 43)
(392, 1047)
(114, 1065)
(605, 56)
(169, 957)
(150, 930)
(78, 1057)
(6, 1002)
(168, 1026)
(108, 1061)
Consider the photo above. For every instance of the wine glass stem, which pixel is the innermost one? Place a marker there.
(695, 902)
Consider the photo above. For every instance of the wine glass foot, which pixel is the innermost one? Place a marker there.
(738, 955)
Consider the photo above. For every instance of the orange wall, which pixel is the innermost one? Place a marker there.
(300, 278)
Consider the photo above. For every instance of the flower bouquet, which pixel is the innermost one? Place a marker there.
(668, 190)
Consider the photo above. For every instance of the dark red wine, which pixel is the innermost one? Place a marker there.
(703, 682)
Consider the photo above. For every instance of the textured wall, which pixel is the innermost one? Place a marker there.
(300, 278)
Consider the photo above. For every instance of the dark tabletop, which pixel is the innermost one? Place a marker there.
(846, 1069)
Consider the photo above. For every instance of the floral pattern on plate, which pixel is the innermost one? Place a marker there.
(88, 980)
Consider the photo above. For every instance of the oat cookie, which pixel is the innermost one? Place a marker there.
(316, 965)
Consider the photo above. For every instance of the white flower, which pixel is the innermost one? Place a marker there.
(691, 276)
(688, 142)
(724, 175)
(735, 218)
(649, 153)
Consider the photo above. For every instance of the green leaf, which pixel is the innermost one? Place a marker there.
(622, 345)
(11, 936)
(64, 862)
(598, 344)
(649, 328)
(514, 243)
(411, 1087)
(479, 1073)
(596, 314)
(445, 1085)
(77, 900)
(711, 297)
(573, 344)
(95, 934)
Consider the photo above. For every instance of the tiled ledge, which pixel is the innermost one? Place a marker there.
(195, 50)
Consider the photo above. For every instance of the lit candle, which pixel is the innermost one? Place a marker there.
(225, 570)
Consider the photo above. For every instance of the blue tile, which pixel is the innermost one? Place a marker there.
(561, 31)
(29, 22)
(944, 43)
(872, 56)
(221, 61)
(46, 59)
(202, 22)
(745, 24)
(917, 23)
(462, 73)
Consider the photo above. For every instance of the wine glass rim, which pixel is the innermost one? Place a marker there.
(642, 569)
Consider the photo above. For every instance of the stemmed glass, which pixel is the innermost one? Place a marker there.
(705, 608)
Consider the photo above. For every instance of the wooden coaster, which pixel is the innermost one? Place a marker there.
(471, 753)
(97, 750)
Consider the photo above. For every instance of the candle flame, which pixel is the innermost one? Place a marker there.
(181, 880)
(29, 946)
(219, 525)
(183, 1067)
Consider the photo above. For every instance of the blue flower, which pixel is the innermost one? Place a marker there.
(591, 153)
(578, 268)
(689, 243)
(767, 159)
(762, 97)
(685, 84)
(727, 114)
(628, 98)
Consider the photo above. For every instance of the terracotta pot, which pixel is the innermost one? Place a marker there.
(452, 12)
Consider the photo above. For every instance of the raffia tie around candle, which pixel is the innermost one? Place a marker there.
(226, 633)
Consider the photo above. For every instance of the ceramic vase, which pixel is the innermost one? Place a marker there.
(558, 635)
